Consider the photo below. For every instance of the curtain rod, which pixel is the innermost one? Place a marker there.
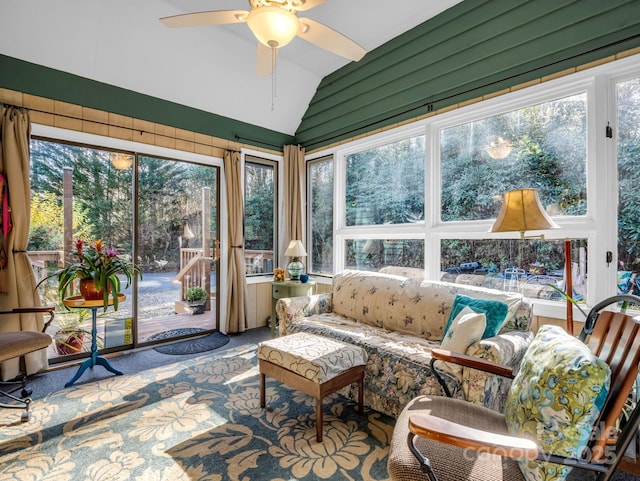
(238, 138)
(429, 104)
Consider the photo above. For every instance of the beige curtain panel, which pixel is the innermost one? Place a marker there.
(17, 281)
(294, 174)
(236, 281)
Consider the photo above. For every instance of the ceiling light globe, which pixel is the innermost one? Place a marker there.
(273, 26)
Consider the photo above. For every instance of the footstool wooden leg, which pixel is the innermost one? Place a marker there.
(262, 396)
(361, 395)
(319, 420)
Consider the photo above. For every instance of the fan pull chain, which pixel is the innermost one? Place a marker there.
(273, 78)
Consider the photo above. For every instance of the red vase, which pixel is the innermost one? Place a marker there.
(89, 291)
(69, 343)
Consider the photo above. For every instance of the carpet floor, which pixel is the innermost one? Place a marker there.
(196, 419)
(199, 418)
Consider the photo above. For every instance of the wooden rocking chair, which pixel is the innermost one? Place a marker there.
(444, 439)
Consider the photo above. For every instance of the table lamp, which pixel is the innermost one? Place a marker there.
(296, 252)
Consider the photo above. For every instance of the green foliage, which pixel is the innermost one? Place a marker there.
(321, 192)
(259, 207)
(629, 175)
(195, 294)
(385, 185)
(46, 229)
(169, 197)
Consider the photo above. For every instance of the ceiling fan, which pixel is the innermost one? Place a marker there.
(275, 23)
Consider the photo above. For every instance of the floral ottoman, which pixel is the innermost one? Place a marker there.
(315, 365)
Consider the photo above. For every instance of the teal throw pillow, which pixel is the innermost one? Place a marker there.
(555, 399)
(495, 312)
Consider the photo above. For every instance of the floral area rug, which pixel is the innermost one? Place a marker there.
(198, 419)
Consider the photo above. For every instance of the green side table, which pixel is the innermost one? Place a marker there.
(284, 289)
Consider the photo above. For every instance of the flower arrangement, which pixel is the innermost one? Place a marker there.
(100, 266)
(278, 275)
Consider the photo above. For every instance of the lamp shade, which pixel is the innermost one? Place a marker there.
(295, 249)
(522, 211)
(273, 26)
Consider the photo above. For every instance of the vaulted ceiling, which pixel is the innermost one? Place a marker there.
(123, 43)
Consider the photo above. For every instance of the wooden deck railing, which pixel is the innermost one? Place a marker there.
(39, 260)
(195, 271)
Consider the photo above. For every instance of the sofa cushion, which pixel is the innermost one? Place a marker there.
(495, 312)
(465, 329)
(555, 398)
(392, 302)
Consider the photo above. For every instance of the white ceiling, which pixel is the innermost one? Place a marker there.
(122, 43)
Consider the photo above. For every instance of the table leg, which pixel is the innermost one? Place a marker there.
(319, 420)
(94, 359)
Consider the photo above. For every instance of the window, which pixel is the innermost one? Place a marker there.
(533, 267)
(385, 185)
(435, 187)
(374, 254)
(543, 146)
(320, 191)
(628, 113)
(260, 209)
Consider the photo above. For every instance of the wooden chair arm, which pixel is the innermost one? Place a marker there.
(447, 432)
(29, 310)
(472, 362)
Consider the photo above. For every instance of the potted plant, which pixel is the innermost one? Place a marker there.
(97, 269)
(197, 299)
(69, 338)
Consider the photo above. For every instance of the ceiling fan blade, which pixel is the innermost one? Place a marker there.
(216, 17)
(265, 59)
(328, 39)
(303, 5)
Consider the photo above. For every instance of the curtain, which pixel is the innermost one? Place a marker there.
(17, 281)
(236, 281)
(294, 173)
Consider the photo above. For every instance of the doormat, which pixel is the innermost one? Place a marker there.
(189, 346)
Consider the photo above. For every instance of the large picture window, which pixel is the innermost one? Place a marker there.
(543, 146)
(426, 194)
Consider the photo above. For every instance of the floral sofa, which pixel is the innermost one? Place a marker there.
(398, 321)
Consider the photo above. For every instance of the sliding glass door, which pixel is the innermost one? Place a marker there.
(177, 236)
(163, 213)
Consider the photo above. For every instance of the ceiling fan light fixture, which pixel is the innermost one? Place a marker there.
(274, 27)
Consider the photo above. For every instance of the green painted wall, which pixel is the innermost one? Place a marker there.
(474, 48)
(37, 80)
